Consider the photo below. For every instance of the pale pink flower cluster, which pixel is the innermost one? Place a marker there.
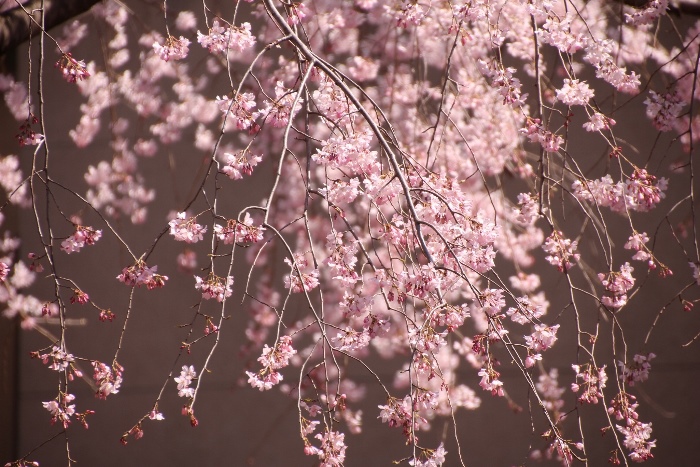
(139, 274)
(641, 192)
(590, 382)
(59, 358)
(342, 259)
(341, 191)
(187, 261)
(82, 236)
(187, 375)
(599, 122)
(526, 283)
(332, 102)
(535, 132)
(73, 70)
(542, 338)
(490, 382)
(239, 109)
(214, 287)
(548, 387)
(599, 54)
(527, 311)
(239, 164)
(61, 409)
(557, 32)
(575, 92)
(296, 12)
(652, 11)
(72, 34)
(4, 271)
(118, 188)
(430, 458)
(186, 229)
(173, 49)
(509, 87)
(108, 380)
(27, 136)
(11, 179)
(235, 231)
(350, 152)
(696, 272)
(400, 413)
(637, 434)
(332, 450)
(426, 340)
(16, 97)
(224, 38)
(421, 282)
(617, 284)
(410, 14)
(562, 251)
(186, 21)
(664, 109)
(279, 112)
(272, 359)
(297, 280)
(363, 68)
(637, 370)
(527, 211)
(637, 243)
(349, 339)
(100, 93)
(353, 305)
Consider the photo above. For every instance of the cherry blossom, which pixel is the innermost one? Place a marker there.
(240, 164)
(187, 375)
(82, 236)
(173, 49)
(562, 251)
(418, 166)
(590, 382)
(61, 409)
(185, 229)
(617, 284)
(637, 370)
(73, 70)
(224, 38)
(298, 281)
(140, 274)
(574, 92)
(108, 379)
(214, 287)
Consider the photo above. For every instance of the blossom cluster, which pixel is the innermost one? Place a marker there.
(82, 236)
(186, 229)
(641, 192)
(140, 274)
(214, 287)
(108, 379)
(616, 285)
(562, 251)
(187, 375)
(637, 434)
(637, 370)
(590, 381)
(272, 359)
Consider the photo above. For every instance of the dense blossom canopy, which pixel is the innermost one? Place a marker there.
(445, 188)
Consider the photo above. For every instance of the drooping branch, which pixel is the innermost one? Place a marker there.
(16, 26)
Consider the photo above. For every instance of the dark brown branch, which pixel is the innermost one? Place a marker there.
(16, 25)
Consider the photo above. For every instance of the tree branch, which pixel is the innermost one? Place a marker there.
(16, 25)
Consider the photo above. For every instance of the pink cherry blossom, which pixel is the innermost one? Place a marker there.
(186, 229)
